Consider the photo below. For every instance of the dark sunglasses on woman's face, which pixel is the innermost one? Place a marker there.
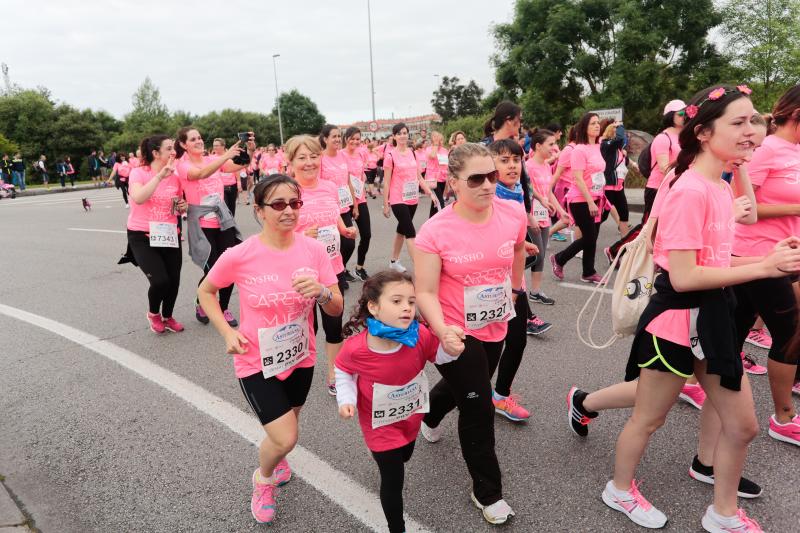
(681, 113)
(476, 180)
(280, 205)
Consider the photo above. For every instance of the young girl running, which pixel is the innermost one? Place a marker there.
(693, 248)
(380, 372)
(281, 275)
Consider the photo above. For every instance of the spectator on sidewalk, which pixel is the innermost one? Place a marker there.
(101, 158)
(94, 166)
(61, 172)
(41, 168)
(5, 169)
(70, 170)
(18, 171)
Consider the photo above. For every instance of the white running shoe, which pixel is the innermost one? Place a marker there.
(431, 434)
(396, 265)
(740, 522)
(634, 506)
(497, 513)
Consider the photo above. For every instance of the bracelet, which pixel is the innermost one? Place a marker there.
(518, 292)
(325, 296)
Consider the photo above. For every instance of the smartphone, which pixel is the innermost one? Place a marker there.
(173, 210)
(243, 158)
(244, 137)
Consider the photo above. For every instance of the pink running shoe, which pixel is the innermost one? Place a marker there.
(796, 388)
(633, 505)
(229, 318)
(760, 338)
(156, 323)
(740, 523)
(594, 278)
(693, 395)
(173, 325)
(262, 503)
(558, 270)
(282, 473)
(788, 432)
(751, 367)
(509, 408)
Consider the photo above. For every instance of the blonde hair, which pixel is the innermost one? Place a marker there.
(459, 156)
(435, 135)
(610, 133)
(294, 144)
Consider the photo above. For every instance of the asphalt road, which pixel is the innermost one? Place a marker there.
(87, 444)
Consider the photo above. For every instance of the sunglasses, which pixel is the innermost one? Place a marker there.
(681, 113)
(280, 205)
(476, 180)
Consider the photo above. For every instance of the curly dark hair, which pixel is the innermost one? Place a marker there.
(371, 292)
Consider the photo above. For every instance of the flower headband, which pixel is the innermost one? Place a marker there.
(716, 94)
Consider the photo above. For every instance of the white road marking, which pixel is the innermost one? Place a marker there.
(334, 484)
(98, 230)
(587, 287)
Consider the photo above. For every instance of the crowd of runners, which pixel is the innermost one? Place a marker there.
(723, 185)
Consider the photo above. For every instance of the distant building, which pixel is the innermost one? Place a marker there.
(415, 125)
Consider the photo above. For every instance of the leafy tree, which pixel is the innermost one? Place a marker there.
(453, 99)
(299, 114)
(228, 122)
(26, 116)
(763, 37)
(471, 125)
(75, 133)
(7, 147)
(149, 115)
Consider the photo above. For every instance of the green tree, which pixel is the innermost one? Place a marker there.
(27, 116)
(75, 133)
(228, 122)
(7, 146)
(763, 37)
(471, 125)
(453, 99)
(299, 114)
(149, 115)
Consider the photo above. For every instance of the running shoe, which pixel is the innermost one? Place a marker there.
(788, 432)
(229, 318)
(156, 322)
(431, 434)
(173, 325)
(497, 513)
(577, 416)
(396, 265)
(740, 523)
(540, 298)
(536, 326)
(705, 474)
(350, 277)
(282, 473)
(694, 395)
(607, 253)
(760, 338)
(796, 388)
(262, 502)
(200, 315)
(361, 274)
(579, 255)
(558, 270)
(594, 278)
(559, 237)
(332, 389)
(633, 505)
(751, 367)
(509, 408)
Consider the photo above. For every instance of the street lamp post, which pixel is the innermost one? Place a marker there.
(277, 95)
(371, 75)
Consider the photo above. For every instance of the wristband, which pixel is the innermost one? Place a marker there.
(518, 292)
(325, 296)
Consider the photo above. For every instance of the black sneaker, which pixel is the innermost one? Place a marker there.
(361, 274)
(701, 472)
(350, 277)
(540, 298)
(200, 315)
(536, 326)
(577, 416)
(343, 284)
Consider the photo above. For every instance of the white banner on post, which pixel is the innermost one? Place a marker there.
(613, 114)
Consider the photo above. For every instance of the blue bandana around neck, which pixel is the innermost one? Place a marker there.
(408, 336)
(504, 193)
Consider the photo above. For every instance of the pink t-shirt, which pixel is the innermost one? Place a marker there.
(587, 158)
(437, 168)
(665, 143)
(228, 178)
(775, 174)
(404, 171)
(270, 164)
(334, 169)
(371, 159)
(157, 207)
(355, 170)
(198, 190)
(540, 175)
(472, 255)
(134, 162)
(321, 209)
(700, 217)
(396, 368)
(565, 162)
(266, 296)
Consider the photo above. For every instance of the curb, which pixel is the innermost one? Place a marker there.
(58, 189)
(12, 520)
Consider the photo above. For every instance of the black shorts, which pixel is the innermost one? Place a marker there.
(244, 183)
(370, 174)
(655, 353)
(404, 214)
(272, 398)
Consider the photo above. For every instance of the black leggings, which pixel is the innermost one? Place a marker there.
(516, 340)
(649, 198)
(219, 241)
(348, 246)
(439, 190)
(404, 214)
(588, 241)
(162, 266)
(230, 193)
(772, 299)
(466, 384)
(618, 200)
(364, 233)
(124, 188)
(391, 466)
(331, 325)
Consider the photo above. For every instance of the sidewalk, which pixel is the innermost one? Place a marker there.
(58, 189)
(11, 518)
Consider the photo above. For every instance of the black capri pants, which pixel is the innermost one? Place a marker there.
(370, 174)
(220, 241)
(391, 464)
(364, 233)
(773, 299)
(588, 241)
(348, 246)
(620, 201)
(331, 325)
(162, 266)
(404, 214)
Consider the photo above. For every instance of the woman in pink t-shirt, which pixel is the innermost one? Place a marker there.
(688, 327)
(402, 182)
(281, 276)
(153, 239)
(202, 185)
(561, 183)
(664, 150)
(119, 175)
(319, 219)
(270, 162)
(436, 167)
(230, 182)
(469, 268)
(356, 161)
(371, 166)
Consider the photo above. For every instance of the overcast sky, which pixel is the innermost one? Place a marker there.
(208, 55)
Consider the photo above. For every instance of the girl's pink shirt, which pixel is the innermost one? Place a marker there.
(587, 159)
(404, 169)
(540, 175)
(157, 207)
(196, 190)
